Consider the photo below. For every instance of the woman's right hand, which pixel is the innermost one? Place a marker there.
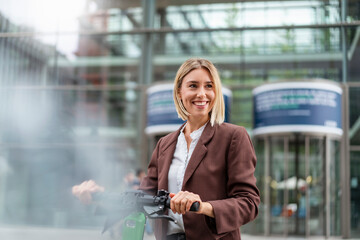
(85, 189)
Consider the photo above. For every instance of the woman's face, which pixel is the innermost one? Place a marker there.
(197, 94)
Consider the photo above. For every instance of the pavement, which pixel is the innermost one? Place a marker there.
(251, 237)
(39, 233)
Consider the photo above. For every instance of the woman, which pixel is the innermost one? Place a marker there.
(205, 161)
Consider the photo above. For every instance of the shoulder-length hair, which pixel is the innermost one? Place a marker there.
(217, 113)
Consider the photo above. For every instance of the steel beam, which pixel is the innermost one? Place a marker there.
(345, 163)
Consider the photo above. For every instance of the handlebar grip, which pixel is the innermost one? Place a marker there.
(195, 207)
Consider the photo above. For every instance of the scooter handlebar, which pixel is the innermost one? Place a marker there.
(194, 207)
(133, 198)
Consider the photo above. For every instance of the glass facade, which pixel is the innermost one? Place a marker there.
(73, 80)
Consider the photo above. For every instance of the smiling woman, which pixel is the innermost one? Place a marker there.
(205, 161)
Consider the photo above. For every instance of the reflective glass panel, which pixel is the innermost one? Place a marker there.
(65, 116)
(257, 226)
(355, 194)
(354, 108)
(277, 213)
(241, 107)
(316, 183)
(295, 186)
(335, 189)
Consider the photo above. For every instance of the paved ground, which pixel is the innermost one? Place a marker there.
(37, 233)
(248, 237)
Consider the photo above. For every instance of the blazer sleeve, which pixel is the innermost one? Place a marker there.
(150, 182)
(241, 205)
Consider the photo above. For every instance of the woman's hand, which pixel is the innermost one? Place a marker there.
(182, 201)
(85, 189)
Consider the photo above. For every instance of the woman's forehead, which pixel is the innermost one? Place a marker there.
(197, 75)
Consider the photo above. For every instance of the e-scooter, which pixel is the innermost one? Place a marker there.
(132, 208)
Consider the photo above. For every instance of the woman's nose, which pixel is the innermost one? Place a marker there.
(201, 93)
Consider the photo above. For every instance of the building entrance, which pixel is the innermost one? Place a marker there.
(298, 130)
(302, 190)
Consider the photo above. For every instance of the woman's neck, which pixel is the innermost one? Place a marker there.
(194, 125)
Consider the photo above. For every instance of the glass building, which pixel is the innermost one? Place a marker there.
(73, 82)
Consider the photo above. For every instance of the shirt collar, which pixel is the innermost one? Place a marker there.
(195, 134)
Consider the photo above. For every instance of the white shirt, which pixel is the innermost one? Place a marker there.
(177, 171)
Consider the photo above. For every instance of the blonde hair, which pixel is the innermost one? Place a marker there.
(217, 113)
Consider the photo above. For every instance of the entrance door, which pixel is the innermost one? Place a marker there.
(303, 187)
(295, 186)
(287, 185)
(316, 179)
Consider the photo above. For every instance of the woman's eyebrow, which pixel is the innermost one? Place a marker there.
(192, 81)
(195, 81)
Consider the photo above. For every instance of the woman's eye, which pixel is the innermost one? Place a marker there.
(192, 85)
(209, 86)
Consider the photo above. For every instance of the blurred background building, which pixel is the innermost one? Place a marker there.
(73, 102)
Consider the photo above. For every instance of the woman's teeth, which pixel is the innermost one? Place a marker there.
(200, 103)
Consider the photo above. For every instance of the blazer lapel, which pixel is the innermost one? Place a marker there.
(199, 152)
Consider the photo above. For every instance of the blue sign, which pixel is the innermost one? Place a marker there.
(162, 117)
(313, 107)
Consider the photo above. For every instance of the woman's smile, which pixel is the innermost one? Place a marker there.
(201, 104)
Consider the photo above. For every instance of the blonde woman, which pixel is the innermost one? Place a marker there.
(205, 161)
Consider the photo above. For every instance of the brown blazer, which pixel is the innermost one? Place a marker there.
(221, 171)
